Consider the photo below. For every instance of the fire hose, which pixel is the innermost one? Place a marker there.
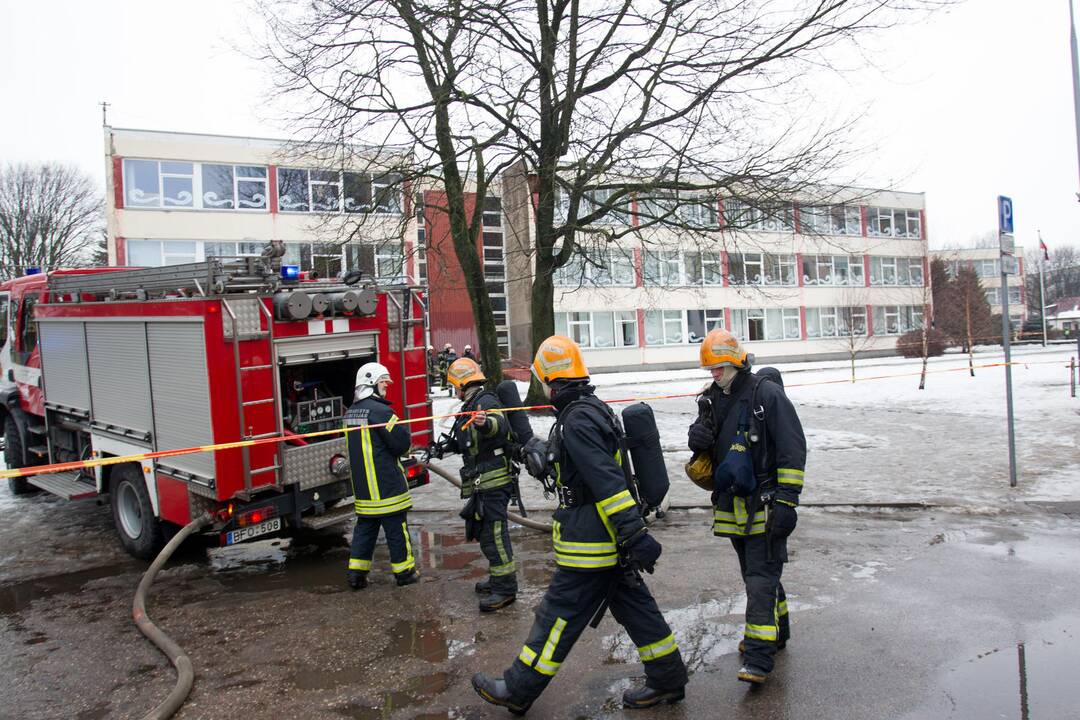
(184, 671)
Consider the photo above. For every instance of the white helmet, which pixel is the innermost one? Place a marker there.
(368, 376)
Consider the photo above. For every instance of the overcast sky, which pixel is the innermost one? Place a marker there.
(973, 103)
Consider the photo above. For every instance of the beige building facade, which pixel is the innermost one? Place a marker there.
(810, 281)
(987, 265)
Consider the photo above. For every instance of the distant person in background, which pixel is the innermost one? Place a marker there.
(470, 354)
(432, 366)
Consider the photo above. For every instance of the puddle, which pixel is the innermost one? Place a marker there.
(416, 691)
(15, 597)
(1032, 679)
(705, 632)
(423, 640)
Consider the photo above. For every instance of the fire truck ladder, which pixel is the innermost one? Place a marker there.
(265, 339)
(407, 319)
(212, 277)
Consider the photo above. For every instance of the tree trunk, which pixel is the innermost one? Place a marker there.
(925, 352)
(970, 343)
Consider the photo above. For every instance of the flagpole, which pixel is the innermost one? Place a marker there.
(1042, 287)
(1075, 82)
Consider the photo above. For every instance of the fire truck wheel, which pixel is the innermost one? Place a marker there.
(139, 530)
(13, 451)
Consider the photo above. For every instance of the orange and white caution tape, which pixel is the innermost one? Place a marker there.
(118, 459)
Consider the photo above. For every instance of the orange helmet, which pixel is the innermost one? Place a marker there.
(559, 358)
(463, 372)
(721, 348)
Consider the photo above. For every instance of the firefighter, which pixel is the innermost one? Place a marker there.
(600, 543)
(486, 480)
(432, 365)
(468, 353)
(447, 356)
(754, 438)
(378, 483)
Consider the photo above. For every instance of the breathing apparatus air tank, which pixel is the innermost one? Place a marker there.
(643, 442)
(509, 397)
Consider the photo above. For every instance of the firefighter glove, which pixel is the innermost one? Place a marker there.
(701, 437)
(783, 520)
(644, 550)
(535, 452)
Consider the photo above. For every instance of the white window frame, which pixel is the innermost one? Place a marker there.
(198, 202)
(741, 318)
(620, 318)
(664, 259)
(668, 318)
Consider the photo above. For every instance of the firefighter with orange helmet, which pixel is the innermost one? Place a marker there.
(380, 490)
(600, 543)
(749, 431)
(482, 438)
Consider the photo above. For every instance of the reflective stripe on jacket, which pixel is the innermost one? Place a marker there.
(378, 480)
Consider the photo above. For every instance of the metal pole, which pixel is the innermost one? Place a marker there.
(1075, 82)
(1042, 289)
(1005, 332)
(1072, 376)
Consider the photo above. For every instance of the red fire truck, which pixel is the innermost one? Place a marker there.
(118, 361)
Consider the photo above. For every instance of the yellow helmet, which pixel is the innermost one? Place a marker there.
(559, 358)
(463, 372)
(721, 348)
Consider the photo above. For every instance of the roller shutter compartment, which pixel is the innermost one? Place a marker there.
(63, 361)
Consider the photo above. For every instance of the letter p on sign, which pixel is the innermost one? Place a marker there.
(1005, 215)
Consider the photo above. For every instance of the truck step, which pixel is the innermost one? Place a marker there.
(39, 450)
(333, 516)
(36, 429)
(63, 484)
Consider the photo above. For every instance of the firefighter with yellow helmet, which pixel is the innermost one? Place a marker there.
(482, 438)
(600, 542)
(749, 437)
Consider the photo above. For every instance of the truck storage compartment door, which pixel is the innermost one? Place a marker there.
(120, 379)
(63, 365)
(312, 348)
(181, 394)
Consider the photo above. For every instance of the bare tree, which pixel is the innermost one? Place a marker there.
(662, 106)
(50, 216)
(851, 327)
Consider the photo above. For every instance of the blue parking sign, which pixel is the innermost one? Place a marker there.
(1005, 215)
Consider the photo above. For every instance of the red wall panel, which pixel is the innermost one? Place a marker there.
(449, 306)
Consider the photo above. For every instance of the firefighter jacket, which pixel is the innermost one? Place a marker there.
(378, 480)
(779, 455)
(596, 512)
(485, 465)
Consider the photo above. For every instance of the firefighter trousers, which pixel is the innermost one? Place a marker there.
(366, 533)
(766, 603)
(494, 539)
(569, 604)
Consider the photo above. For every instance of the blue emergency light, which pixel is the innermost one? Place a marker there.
(290, 272)
(33, 271)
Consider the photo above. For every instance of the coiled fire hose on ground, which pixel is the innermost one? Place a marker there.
(527, 522)
(184, 671)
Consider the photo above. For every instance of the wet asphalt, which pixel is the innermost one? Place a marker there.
(895, 614)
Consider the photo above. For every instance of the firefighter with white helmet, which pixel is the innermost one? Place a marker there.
(600, 541)
(487, 479)
(379, 487)
(750, 436)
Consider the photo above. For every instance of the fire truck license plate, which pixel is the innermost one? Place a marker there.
(247, 533)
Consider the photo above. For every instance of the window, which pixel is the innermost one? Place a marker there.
(231, 249)
(830, 220)
(766, 324)
(1014, 295)
(832, 270)
(203, 186)
(700, 322)
(599, 329)
(615, 211)
(492, 211)
(771, 217)
(987, 268)
(302, 190)
(4, 301)
(389, 262)
(835, 322)
(993, 297)
(601, 267)
(902, 271)
(891, 222)
(664, 327)
(661, 268)
(746, 269)
(27, 329)
(703, 268)
(897, 319)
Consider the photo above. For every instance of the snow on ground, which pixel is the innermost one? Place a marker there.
(881, 439)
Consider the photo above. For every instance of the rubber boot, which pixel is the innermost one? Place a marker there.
(408, 577)
(646, 697)
(357, 579)
(496, 601)
(753, 675)
(483, 587)
(494, 691)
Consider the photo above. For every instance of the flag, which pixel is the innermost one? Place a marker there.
(1045, 252)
